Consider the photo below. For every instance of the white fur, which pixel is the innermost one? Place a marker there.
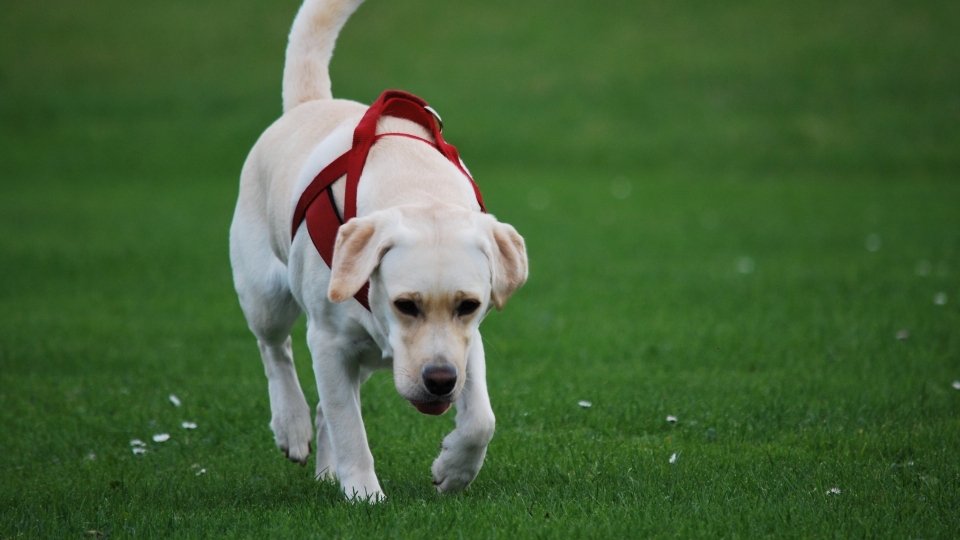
(418, 235)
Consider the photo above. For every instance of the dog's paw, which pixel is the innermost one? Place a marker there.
(454, 470)
(293, 433)
(364, 491)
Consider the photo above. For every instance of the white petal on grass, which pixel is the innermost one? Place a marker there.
(940, 299)
(956, 385)
(833, 491)
(673, 458)
(161, 437)
(584, 403)
(201, 471)
(189, 425)
(903, 334)
(671, 418)
(137, 442)
(175, 400)
(872, 243)
(91, 457)
(746, 265)
(139, 450)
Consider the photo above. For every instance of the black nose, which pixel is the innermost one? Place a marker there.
(439, 380)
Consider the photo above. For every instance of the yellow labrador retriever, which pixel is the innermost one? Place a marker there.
(414, 269)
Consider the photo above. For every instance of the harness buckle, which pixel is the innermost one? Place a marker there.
(435, 115)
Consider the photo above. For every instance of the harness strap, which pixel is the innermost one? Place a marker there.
(320, 212)
(400, 105)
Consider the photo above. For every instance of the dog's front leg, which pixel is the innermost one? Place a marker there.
(338, 380)
(463, 450)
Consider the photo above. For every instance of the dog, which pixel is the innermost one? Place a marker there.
(415, 266)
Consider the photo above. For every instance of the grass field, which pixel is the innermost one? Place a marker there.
(742, 214)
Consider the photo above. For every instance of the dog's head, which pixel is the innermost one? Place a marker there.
(435, 272)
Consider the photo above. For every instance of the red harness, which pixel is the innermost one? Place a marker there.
(320, 212)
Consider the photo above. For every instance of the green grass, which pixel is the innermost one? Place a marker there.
(765, 136)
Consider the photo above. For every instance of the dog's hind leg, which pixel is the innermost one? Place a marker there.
(290, 420)
(463, 450)
(271, 311)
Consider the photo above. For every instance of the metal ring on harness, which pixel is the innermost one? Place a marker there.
(435, 115)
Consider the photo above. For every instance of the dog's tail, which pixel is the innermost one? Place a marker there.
(306, 76)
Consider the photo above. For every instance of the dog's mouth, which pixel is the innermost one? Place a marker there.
(433, 408)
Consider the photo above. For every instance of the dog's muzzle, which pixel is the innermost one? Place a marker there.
(439, 382)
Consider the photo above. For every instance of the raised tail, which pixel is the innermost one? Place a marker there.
(306, 74)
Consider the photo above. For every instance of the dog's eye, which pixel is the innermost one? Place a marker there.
(407, 307)
(467, 307)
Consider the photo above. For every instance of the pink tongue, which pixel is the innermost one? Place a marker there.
(435, 408)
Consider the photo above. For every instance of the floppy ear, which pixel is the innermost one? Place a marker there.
(508, 262)
(361, 243)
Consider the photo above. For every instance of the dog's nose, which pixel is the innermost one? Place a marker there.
(439, 380)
